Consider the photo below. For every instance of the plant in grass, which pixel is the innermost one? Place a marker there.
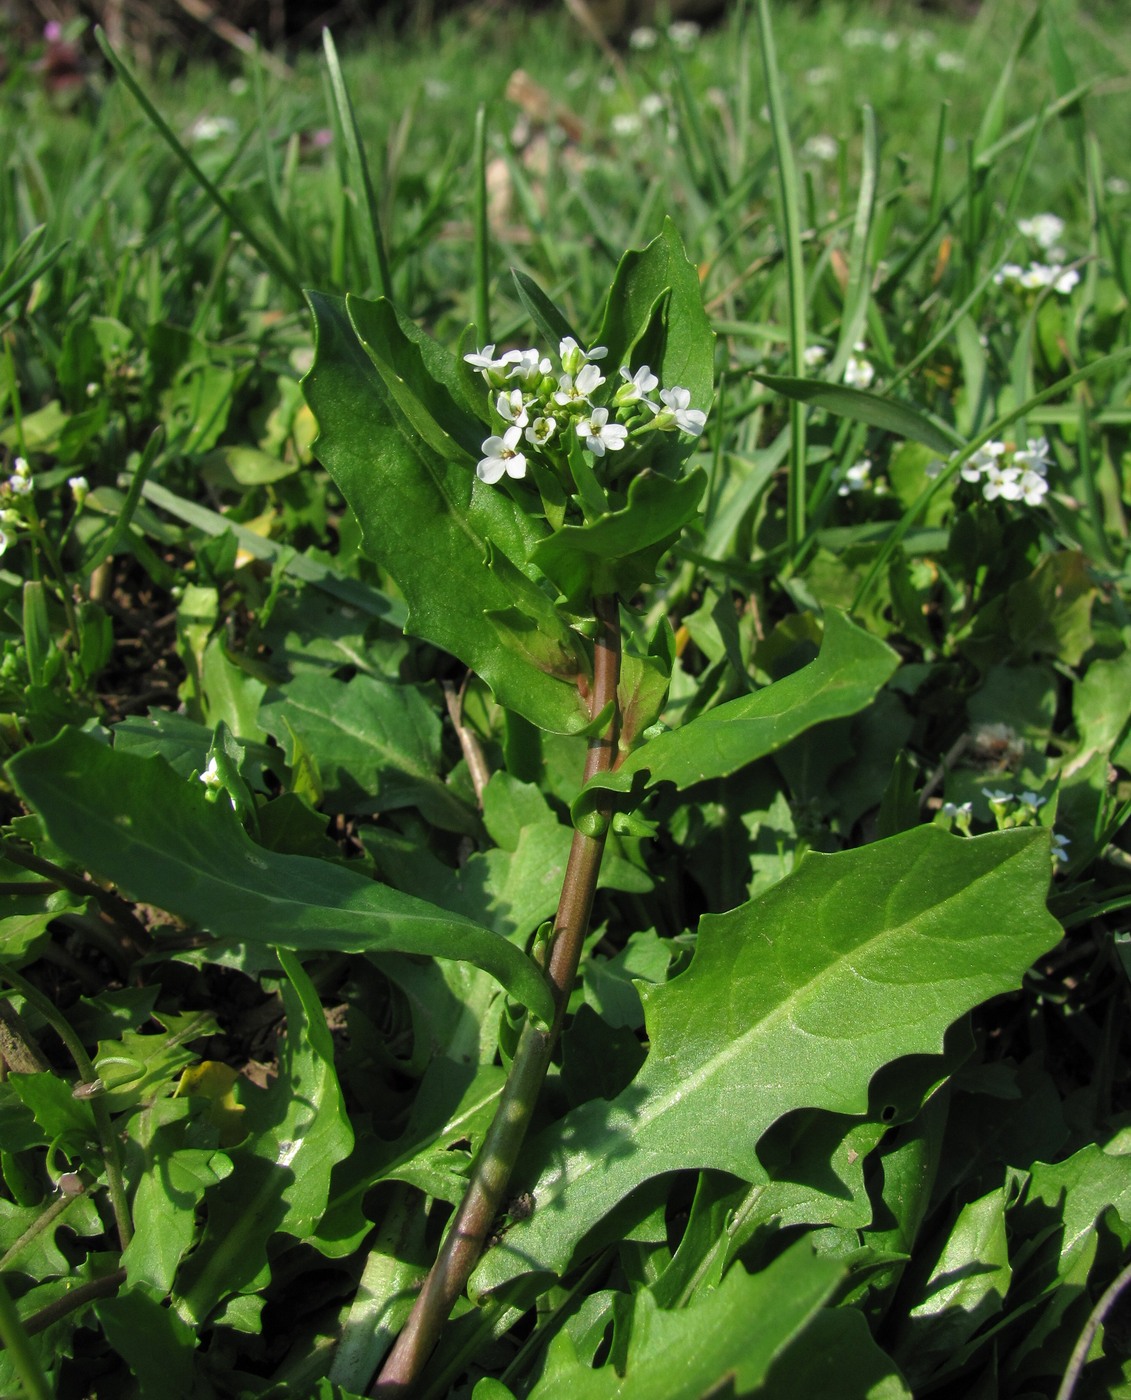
(771, 1033)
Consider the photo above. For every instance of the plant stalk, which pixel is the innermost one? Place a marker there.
(88, 1077)
(490, 1174)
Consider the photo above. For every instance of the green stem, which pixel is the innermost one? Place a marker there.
(114, 908)
(486, 1188)
(104, 1287)
(24, 1360)
(47, 1217)
(88, 1075)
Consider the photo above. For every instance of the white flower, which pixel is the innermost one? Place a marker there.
(953, 809)
(856, 477)
(986, 457)
(1037, 276)
(500, 454)
(677, 410)
(576, 389)
(80, 488)
(211, 776)
(19, 485)
(1032, 489)
(573, 356)
(815, 355)
(1032, 799)
(20, 467)
(684, 34)
(212, 128)
(511, 408)
(1044, 229)
(996, 796)
(541, 431)
(527, 365)
(858, 372)
(484, 361)
(934, 468)
(1117, 185)
(645, 37)
(636, 386)
(4, 541)
(818, 77)
(652, 105)
(600, 435)
(627, 124)
(947, 62)
(1060, 847)
(1001, 481)
(1034, 456)
(821, 147)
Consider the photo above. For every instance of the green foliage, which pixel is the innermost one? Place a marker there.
(298, 668)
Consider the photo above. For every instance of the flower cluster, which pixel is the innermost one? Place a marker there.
(1009, 810)
(1045, 231)
(1004, 470)
(541, 410)
(1037, 276)
(17, 501)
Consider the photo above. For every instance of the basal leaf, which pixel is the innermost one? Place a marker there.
(281, 1177)
(835, 1355)
(377, 746)
(846, 675)
(792, 1000)
(728, 1334)
(966, 1288)
(135, 822)
(426, 518)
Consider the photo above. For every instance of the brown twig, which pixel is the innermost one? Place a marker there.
(103, 1287)
(468, 741)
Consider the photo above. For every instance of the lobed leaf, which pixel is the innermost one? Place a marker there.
(133, 821)
(793, 1000)
(847, 674)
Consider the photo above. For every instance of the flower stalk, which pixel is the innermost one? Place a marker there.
(491, 1172)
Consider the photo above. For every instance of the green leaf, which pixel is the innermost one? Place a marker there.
(966, 1288)
(281, 1181)
(424, 515)
(377, 746)
(793, 1000)
(863, 407)
(835, 1355)
(513, 887)
(848, 672)
(619, 551)
(641, 279)
(138, 1066)
(172, 1177)
(135, 822)
(154, 1342)
(686, 1353)
(550, 319)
